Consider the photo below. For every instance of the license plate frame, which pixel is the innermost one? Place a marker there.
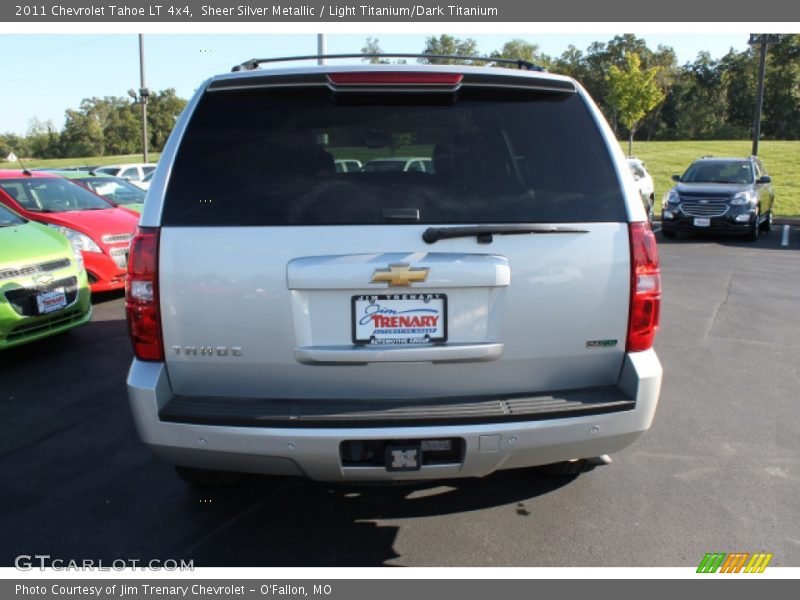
(702, 222)
(419, 305)
(51, 300)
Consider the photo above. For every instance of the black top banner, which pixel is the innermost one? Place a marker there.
(361, 11)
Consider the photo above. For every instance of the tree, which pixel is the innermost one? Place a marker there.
(591, 67)
(370, 49)
(82, 135)
(113, 125)
(122, 128)
(163, 109)
(782, 91)
(519, 49)
(11, 142)
(669, 72)
(633, 92)
(447, 44)
(699, 105)
(43, 139)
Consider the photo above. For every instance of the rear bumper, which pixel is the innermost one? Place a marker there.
(314, 452)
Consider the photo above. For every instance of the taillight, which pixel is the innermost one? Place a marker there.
(141, 295)
(645, 288)
(395, 78)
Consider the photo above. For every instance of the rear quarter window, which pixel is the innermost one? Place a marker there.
(274, 156)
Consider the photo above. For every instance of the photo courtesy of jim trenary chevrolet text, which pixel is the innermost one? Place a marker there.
(293, 293)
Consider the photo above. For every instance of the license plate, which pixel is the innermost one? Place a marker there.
(702, 222)
(406, 457)
(395, 319)
(50, 301)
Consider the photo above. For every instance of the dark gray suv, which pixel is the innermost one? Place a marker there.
(721, 195)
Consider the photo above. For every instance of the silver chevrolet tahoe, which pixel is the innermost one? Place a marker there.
(494, 311)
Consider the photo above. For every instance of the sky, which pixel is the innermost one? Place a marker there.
(42, 75)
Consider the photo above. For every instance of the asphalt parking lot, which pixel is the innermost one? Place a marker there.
(719, 471)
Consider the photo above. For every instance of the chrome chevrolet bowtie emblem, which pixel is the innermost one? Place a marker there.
(400, 275)
(43, 279)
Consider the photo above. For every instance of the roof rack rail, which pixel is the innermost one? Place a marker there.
(255, 63)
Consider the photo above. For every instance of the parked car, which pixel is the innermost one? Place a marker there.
(722, 195)
(43, 286)
(100, 230)
(497, 313)
(133, 172)
(145, 183)
(399, 163)
(347, 165)
(116, 190)
(84, 168)
(645, 183)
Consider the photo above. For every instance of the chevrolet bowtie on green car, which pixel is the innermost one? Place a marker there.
(43, 286)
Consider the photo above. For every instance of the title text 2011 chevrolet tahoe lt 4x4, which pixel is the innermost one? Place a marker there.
(495, 312)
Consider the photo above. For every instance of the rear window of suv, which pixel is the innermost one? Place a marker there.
(266, 156)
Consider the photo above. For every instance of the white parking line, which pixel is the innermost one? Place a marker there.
(785, 240)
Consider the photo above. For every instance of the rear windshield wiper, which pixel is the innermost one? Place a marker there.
(484, 233)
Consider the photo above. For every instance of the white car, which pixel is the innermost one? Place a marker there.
(133, 172)
(398, 163)
(347, 165)
(145, 183)
(645, 183)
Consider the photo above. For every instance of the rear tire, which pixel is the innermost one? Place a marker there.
(204, 478)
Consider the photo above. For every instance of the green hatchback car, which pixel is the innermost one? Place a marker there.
(43, 285)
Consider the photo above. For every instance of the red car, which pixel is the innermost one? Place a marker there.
(100, 230)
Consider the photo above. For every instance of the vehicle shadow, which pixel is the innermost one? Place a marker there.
(304, 523)
(103, 297)
(58, 352)
(79, 483)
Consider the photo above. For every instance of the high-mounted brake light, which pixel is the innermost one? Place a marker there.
(141, 295)
(645, 288)
(396, 78)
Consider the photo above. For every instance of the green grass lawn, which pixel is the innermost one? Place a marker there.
(782, 160)
(53, 163)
